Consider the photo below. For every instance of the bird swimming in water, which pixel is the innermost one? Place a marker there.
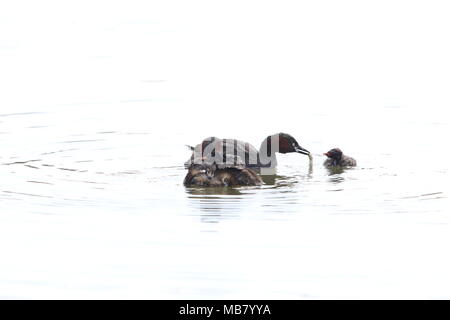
(337, 158)
(231, 162)
(265, 157)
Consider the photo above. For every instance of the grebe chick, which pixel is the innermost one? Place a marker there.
(337, 158)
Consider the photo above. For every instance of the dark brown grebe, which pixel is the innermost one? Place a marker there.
(214, 147)
(337, 158)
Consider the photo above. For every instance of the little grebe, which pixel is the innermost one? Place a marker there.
(337, 158)
(214, 147)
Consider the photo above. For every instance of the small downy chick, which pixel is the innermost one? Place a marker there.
(211, 175)
(337, 158)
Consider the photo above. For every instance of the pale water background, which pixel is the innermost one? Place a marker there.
(98, 99)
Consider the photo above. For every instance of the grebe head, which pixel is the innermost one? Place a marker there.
(288, 144)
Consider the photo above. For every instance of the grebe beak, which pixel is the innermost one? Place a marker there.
(302, 150)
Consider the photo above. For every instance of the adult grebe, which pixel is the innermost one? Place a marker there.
(214, 147)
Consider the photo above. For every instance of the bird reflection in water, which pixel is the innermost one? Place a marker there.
(335, 170)
(216, 204)
(199, 191)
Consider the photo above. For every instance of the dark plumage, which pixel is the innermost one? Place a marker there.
(214, 147)
(209, 175)
(337, 158)
(230, 162)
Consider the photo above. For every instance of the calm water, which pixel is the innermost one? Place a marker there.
(94, 116)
